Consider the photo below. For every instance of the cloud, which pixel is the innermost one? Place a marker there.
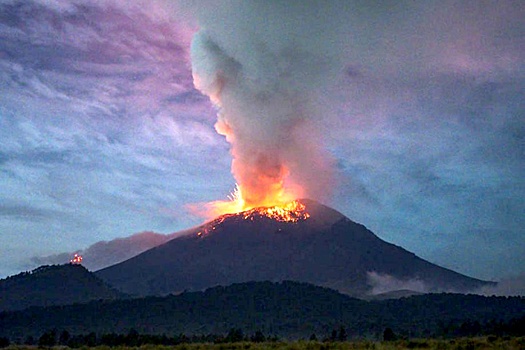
(122, 54)
(101, 129)
(511, 286)
(107, 253)
(383, 283)
(25, 212)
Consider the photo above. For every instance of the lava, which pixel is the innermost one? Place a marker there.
(77, 259)
(276, 202)
(291, 212)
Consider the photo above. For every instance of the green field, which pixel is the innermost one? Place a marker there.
(510, 343)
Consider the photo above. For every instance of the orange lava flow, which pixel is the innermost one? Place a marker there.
(77, 259)
(291, 212)
(280, 208)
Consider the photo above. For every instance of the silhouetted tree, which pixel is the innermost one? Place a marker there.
(112, 339)
(234, 335)
(76, 341)
(48, 339)
(342, 336)
(258, 337)
(181, 339)
(333, 336)
(91, 339)
(132, 339)
(4, 342)
(313, 337)
(388, 334)
(64, 338)
(29, 340)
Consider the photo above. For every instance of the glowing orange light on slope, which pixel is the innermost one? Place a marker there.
(278, 204)
(77, 259)
(291, 212)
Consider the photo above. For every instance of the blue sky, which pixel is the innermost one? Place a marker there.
(103, 135)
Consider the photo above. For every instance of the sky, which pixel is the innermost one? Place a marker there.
(418, 109)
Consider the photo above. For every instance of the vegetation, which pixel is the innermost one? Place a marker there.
(485, 343)
(53, 285)
(289, 310)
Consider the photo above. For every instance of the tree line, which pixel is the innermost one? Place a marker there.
(514, 327)
(289, 310)
(133, 339)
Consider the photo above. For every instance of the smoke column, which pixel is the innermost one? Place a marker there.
(264, 64)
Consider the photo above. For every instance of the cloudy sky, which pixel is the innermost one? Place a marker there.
(419, 107)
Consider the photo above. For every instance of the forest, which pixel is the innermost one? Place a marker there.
(285, 310)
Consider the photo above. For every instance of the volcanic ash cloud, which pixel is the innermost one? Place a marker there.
(265, 66)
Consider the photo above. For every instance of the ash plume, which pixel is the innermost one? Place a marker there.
(106, 253)
(264, 65)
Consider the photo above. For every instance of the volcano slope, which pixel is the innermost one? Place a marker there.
(325, 249)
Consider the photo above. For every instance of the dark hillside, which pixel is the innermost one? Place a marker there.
(287, 309)
(53, 285)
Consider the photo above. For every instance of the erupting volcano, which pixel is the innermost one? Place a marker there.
(268, 99)
(267, 78)
(311, 243)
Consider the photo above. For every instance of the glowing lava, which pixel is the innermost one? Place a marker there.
(291, 212)
(77, 259)
(280, 206)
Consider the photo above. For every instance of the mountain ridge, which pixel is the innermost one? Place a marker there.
(326, 249)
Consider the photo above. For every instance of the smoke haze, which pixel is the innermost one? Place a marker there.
(510, 286)
(268, 67)
(264, 64)
(383, 283)
(107, 253)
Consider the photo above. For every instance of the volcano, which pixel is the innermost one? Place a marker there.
(318, 245)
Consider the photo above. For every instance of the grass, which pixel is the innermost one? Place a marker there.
(484, 343)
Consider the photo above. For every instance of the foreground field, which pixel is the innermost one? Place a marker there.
(486, 343)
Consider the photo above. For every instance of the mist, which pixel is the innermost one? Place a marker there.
(509, 286)
(383, 283)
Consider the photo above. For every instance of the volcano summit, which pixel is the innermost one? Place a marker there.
(320, 246)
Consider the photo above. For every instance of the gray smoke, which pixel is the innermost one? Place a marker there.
(266, 65)
(107, 253)
(510, 286)
(270, 67)
(384, 283)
